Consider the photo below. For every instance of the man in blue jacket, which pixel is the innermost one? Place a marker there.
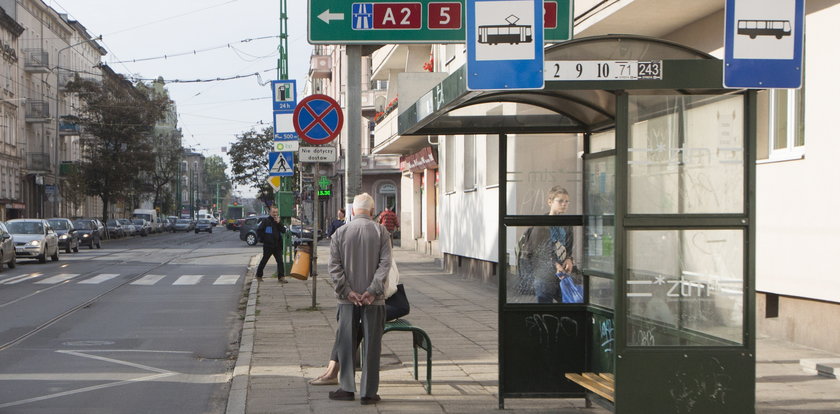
(270, 230)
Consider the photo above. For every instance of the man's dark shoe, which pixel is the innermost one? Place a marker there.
(371, 400)
(341, 395)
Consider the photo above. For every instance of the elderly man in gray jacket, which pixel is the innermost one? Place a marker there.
(360, 259)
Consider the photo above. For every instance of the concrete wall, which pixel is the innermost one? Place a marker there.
(804, 321)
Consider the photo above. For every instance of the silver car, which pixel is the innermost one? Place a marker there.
(7, 248)
(34, 238)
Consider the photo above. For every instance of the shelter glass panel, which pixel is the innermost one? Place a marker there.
(538, 167)
(599, 220)
(686, 154)
(601, 292)
(685, 287)
(542, 265)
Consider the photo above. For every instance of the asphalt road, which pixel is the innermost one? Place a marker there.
(143, 325)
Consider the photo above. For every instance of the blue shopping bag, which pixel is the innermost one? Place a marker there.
(570, 291)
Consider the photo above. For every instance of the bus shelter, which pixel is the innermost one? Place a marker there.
(636, 194)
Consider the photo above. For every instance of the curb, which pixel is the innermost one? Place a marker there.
(238, 395)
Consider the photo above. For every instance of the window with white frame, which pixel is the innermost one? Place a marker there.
(469, 162)
(786, 131)
(449, 163)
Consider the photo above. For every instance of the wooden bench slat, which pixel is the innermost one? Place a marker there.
(592, 385)
(609, 376)
(600, 380)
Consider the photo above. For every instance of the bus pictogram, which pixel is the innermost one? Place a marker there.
(755, 28)
(510, 33)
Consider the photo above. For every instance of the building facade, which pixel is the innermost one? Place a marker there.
(380, 170)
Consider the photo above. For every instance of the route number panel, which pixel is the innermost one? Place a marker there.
(599, 70)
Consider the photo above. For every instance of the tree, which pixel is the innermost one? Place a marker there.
(249, 159)
(214, 173)
(117, 120)
(167, 157)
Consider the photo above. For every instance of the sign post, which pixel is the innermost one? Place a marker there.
(763, 43)
(504, 44)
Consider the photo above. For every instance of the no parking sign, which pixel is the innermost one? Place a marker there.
(318, 119)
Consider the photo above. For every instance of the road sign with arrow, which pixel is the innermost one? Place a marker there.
(419, 21)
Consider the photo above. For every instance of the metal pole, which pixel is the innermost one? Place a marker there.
(315, 226)
(353, 154)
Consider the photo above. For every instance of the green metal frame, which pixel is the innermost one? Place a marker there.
(648, 379)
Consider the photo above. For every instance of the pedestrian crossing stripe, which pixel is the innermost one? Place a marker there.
(57, 279)
(146, 280)
(99, 278)
(17, 279)
(226, 280)
(188, 280)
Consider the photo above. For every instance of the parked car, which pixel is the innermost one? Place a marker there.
(130, 228)
(143, 226)
(100, 227)
(115, 229)
(183, 225)
(34, 238)
(88, 233)
(203, 225)
(67, 237)
(248, 229)
(7, 248)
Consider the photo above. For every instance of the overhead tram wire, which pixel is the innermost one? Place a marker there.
(197, 51)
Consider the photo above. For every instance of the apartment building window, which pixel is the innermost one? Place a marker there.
(491, 160)
(449, 164)
(786, 131)
(469, 162)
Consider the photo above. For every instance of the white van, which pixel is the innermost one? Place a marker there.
(150, 216)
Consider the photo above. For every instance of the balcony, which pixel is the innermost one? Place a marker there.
(320, 67)
(373, 101)
(68, 126)
(64, 78)
(37, 111)
(36, 61)
(386, 127)
(38, 162)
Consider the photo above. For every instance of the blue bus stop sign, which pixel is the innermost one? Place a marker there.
(505, 44)
(763, 44)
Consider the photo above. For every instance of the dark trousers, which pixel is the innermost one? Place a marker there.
(268, 251)
(371, 326)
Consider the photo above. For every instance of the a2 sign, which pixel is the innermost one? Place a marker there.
(409, 16)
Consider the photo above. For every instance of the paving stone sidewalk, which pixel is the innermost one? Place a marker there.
(286, 343)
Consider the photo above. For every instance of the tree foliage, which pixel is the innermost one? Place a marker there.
(117, 120)
(214, 172)
(249, 157)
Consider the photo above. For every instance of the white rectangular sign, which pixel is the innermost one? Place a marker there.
(286, 145)
(317, 154)
(601, 70)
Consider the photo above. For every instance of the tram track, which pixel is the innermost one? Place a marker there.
(99, 269)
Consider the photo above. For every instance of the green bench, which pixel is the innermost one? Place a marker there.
(420, 340)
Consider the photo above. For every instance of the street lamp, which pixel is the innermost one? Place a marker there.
(58, 117)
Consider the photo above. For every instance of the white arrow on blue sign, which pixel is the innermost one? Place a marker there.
(505, 44)
(763, 44)
(281, 164)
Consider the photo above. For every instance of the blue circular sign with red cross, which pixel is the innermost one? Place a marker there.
(318, 119)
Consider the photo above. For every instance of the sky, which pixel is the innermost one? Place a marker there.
(210, 114)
